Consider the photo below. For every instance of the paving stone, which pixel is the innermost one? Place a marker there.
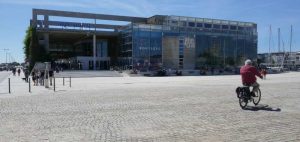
(138, 109)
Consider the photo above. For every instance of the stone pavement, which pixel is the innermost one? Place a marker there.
(201, 108)
(4, 75)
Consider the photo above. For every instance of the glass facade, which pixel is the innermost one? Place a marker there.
(187, 43)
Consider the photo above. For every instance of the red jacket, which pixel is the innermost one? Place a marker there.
(248, 74)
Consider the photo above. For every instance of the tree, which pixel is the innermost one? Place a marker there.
(26, 43)
(33, 48)
(34, 52)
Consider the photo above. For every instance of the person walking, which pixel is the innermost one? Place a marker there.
(26, 74)
(14, 71)
(37, 78)
(19, 71)
(33, 78)
(51, 75)
(42, 77)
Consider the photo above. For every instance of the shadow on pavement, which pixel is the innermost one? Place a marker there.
(262, 107)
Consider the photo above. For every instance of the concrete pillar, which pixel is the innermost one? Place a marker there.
(34, 18)
(46, 42)
(46, 21)
(94, 50)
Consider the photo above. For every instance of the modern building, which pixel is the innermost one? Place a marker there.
(160, 41)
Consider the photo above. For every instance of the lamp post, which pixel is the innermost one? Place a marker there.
(5, 50)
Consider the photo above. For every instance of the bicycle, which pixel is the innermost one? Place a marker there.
(245, 96)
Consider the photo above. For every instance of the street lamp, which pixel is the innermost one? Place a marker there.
(5, 50)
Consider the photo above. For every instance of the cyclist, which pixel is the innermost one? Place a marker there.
(248, 73)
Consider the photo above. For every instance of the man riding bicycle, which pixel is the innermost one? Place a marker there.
(248, 73)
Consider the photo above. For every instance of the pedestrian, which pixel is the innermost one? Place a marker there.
(33, 78)
(57, 70)
(14, 71)
(264, 73)
(51, 75)
(37, 78)
(26, 74)
(19, 71)
(42, 77)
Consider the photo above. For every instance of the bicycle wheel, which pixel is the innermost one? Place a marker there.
(243, 102)
(257, 97)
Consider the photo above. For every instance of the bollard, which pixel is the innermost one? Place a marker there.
(54, 83)
(63, 81)
(9, 86)
(70, 82)
(29, 85)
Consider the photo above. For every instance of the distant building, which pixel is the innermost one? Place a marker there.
(161, 41)
(285, 59)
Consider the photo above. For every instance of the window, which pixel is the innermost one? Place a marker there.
(191, 24)
(174, 22)
(182, 24)
(241, 28)
(225, 27)
(232, 27)
(217, 26)
(199, 25)
(207, 25)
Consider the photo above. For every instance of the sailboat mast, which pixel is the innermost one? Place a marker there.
(291, 38)
(290, 55)
(270, 34)
(278, 39)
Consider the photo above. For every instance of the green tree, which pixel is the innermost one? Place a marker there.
(33, 48)
(26, 43)
(34, 52)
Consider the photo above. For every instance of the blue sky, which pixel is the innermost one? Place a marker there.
(15, 16)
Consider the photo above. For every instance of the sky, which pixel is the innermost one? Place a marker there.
(16, 14)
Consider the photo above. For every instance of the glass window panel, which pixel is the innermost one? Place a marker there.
(176, 18)
(192, 24)
(217, 21)
(225, 27)
(208, 20)
(225, 22)
(207, 25)
(232, 27)
(217, 26)
(199, 19)
(183, 18)
(199, 25)
(233, 23)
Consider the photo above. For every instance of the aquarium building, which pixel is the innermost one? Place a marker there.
(99, 41)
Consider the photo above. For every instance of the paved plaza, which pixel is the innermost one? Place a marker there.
(112, 109)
